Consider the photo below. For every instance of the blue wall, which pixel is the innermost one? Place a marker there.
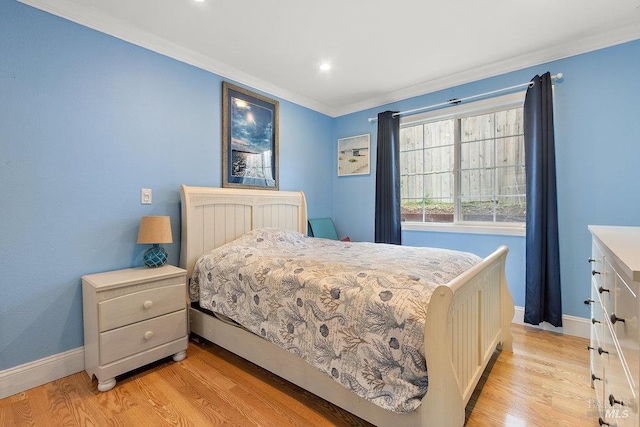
(86, 121)
(597, 129)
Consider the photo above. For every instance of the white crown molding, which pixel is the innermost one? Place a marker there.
(560, 51)
(96, 20)
(79, 13)
(34, 374)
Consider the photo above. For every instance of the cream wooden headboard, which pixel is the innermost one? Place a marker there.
(212, 217)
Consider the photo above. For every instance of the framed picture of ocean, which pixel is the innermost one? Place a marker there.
(354, 154)
(249, 139)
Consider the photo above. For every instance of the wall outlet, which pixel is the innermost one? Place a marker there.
(145, 196)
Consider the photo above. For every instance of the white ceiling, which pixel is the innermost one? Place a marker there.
(380, 51)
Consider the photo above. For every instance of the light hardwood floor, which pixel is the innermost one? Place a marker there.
(544, 382)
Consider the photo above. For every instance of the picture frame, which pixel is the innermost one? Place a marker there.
(354, 155)
(250, 129)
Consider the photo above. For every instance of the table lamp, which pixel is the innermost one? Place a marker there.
(155, 230)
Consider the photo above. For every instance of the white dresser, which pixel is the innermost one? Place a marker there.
(133, 317)
(615, 334)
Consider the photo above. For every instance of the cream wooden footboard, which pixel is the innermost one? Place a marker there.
(466, 319)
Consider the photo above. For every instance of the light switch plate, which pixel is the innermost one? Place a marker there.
(145, 196)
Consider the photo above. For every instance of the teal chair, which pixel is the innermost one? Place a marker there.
(324, 228)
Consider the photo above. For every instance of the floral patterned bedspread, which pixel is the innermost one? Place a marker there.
(356, 311)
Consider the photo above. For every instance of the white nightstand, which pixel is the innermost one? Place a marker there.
(131, 318)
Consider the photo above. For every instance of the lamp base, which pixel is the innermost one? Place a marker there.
(155, 256)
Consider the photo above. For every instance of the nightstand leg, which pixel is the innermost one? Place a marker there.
(106, 385)
(179, 356)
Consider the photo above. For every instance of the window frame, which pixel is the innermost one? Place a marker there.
(456, 112)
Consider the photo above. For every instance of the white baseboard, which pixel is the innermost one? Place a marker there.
(33, 374)
(576, 326)
(39, 372)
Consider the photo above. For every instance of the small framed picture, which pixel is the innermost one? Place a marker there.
(354, 154)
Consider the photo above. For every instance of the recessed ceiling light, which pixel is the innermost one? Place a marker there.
(325, 66)
(199, 1)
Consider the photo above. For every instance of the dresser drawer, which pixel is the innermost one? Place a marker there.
(605, 284)
(122, 342)
(615, 283)
(597, 365)
(596, 263)
(625, 326)
(617, 390)
(143, 305)
(596, 307)
(602, 277)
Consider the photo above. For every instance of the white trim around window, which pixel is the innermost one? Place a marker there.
(509, 229)
(484, 106)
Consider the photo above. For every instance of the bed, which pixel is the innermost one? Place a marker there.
(468, 317)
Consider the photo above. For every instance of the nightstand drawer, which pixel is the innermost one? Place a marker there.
(131, 308)
(126, 341)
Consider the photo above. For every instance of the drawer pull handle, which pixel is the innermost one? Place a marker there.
(590, 260)
(613, 401)
(148, 335)
(615, 319)
(594, 321)
(600, 351)
(601, 289)
(593, 272)
(593, 378)
(148, 304)
(588, 301)
(602, 422)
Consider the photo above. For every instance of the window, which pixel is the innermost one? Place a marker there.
(465, 165)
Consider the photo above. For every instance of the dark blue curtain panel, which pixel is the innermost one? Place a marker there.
(387, 215)
(543, 301)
